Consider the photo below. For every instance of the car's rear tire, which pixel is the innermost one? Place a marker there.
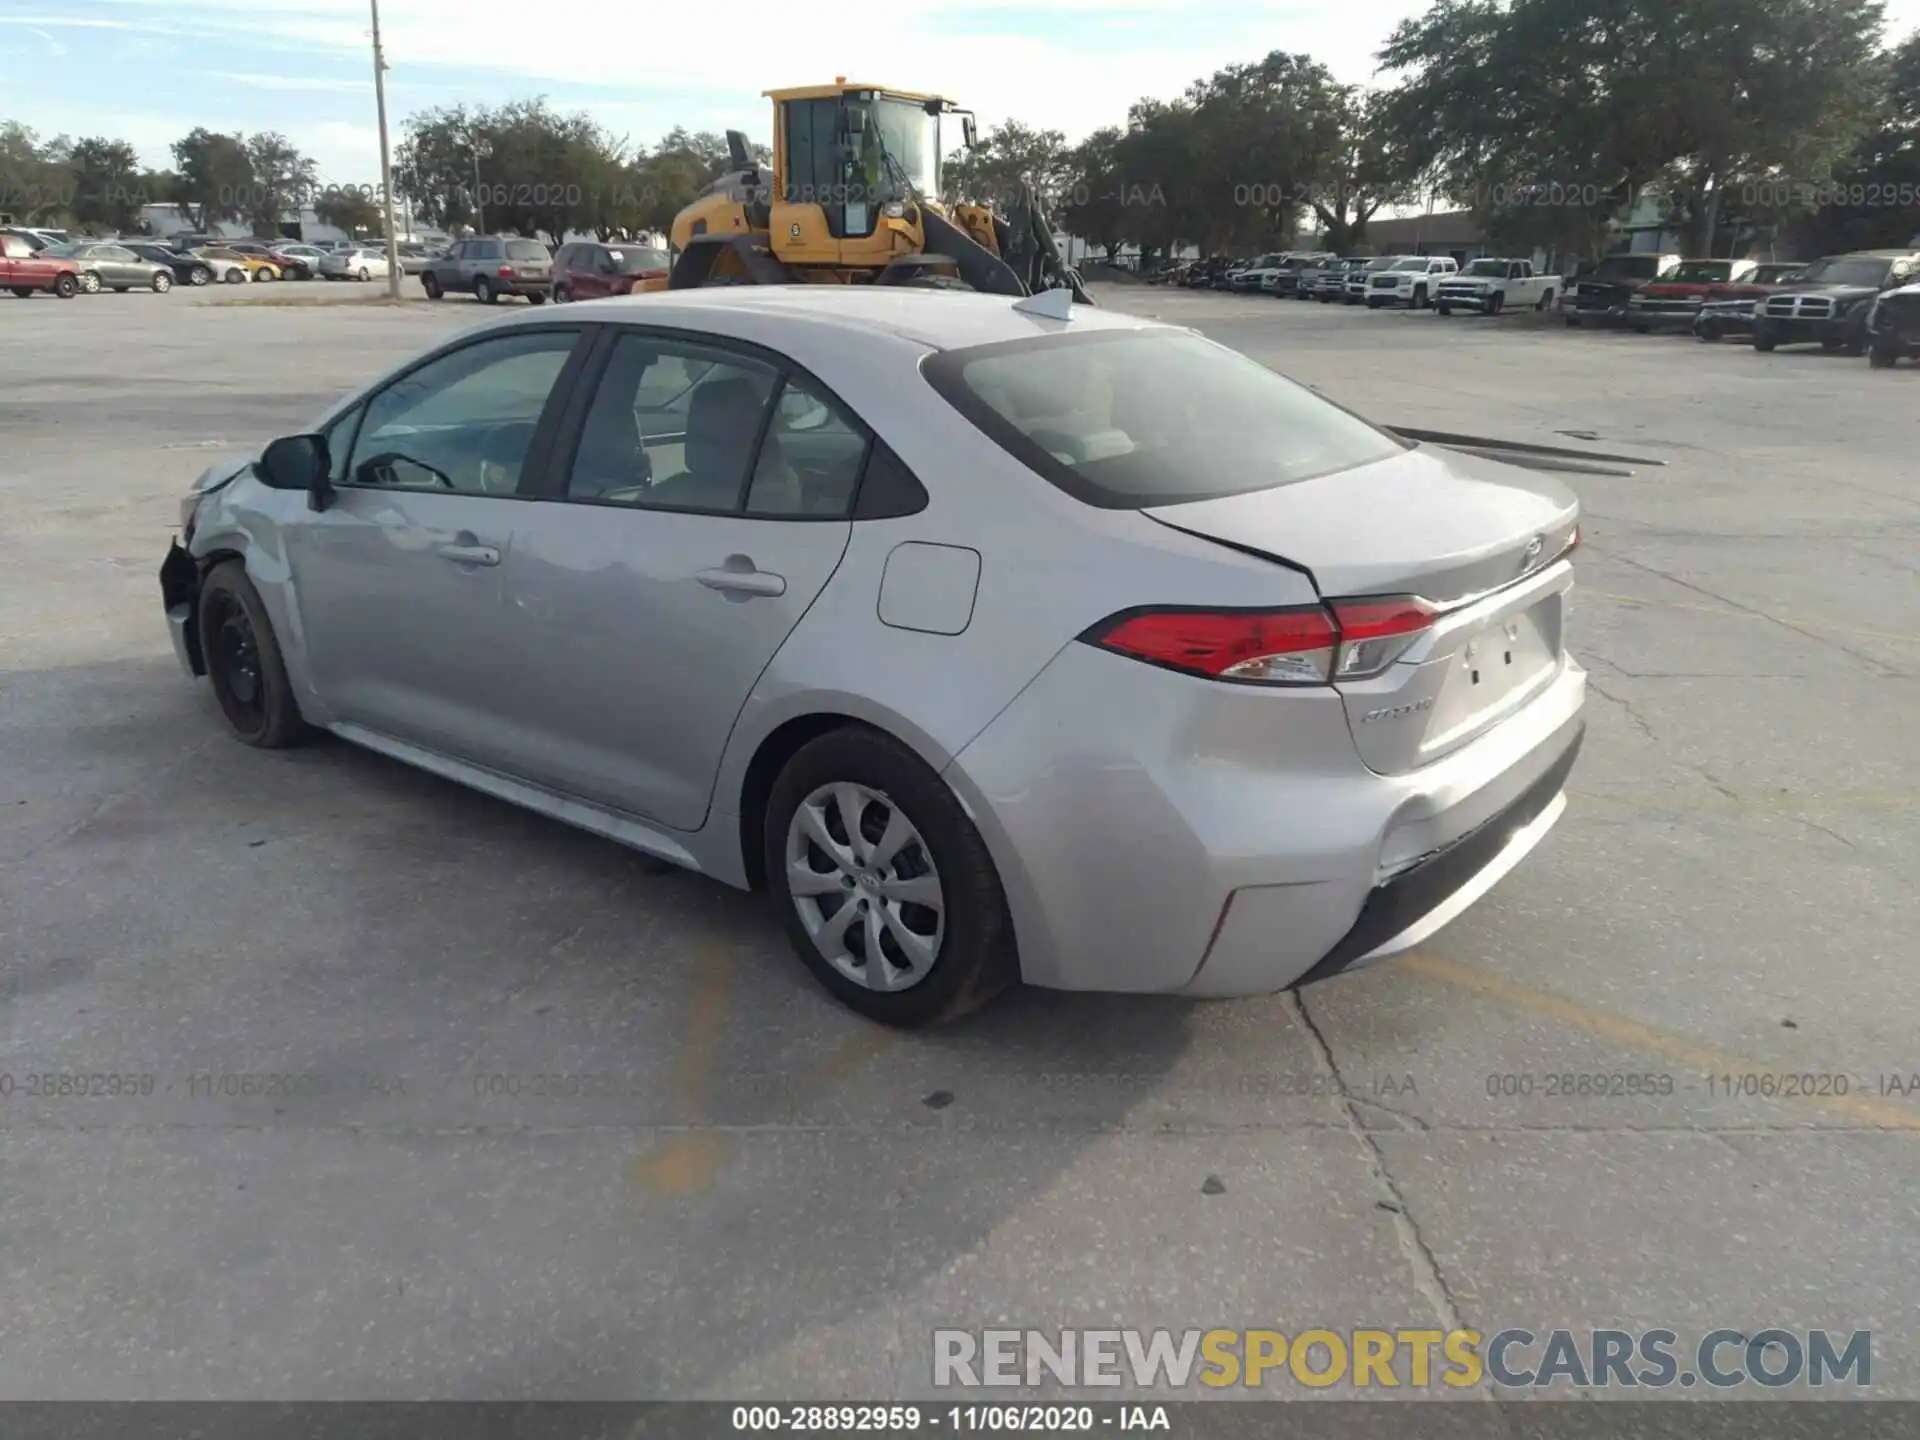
(1883, 357)
(1762, 341)
(560, 296)
(361, 275)
(244, 663)
(534, 297)
(430, 283)
(66, 286)
(162, 283)
(1545, 302)
(1443, 309)
(484, 292)
(238, 275)
(945, 950)
(25, 292)
(1573, 321)
(1710, 332)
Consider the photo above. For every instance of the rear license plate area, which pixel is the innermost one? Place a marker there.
(1496, 667)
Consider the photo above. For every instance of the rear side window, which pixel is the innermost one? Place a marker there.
(1129, 419)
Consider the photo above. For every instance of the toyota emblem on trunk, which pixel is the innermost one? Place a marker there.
(1534, 547)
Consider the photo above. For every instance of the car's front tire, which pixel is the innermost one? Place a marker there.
(238, 275)
(244, 662)
(430, 283)
(162, 283)
(199, 275)
(90, 283)
(884, 885)
(1763, 341)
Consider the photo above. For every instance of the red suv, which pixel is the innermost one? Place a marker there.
(23, 270)
(587, 270)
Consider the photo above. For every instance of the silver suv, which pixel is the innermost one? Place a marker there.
(489, 267)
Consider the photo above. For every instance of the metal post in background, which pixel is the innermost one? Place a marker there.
(386, 163)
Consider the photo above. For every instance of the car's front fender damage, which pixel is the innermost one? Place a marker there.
(180, 593)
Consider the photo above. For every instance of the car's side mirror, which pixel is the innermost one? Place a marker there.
(294, 462)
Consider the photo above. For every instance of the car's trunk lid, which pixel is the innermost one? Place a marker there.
(1475, 539)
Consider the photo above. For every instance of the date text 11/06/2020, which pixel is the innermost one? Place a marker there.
(886, 1419)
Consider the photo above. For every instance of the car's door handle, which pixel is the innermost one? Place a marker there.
(470, 554)
(744, 582)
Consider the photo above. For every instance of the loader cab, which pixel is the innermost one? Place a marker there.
(853, 151)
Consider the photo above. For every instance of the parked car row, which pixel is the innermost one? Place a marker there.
(1866, 302)
(493, 267)
(33, 260)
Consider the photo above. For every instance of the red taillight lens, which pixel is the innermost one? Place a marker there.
(1278, 647)
(1375, 633)
(505, 272)
(1301, 645)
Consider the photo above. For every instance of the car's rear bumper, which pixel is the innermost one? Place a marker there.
(1156, 832)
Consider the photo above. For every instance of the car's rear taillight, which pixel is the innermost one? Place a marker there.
(505, 272)
(1299, 645)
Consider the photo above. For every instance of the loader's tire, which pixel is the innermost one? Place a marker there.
(695, 266)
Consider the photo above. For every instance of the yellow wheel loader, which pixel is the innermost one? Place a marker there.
(853, 198)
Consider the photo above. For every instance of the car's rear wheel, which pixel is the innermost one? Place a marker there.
(1573, 321)
(1444, 308)
(237, 275)
(1762, 341)
(1710, 331)
(430, 283)
(484, 292)
(1545, 302)
(884, 885)
(534, 297)
(25, 292)
(362, 275)
(244, 661)
(66, 286)
(1883, 357)
(162, 283)
(560, 296)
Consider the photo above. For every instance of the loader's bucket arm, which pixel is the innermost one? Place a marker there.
(979, 267)
(1031, 249)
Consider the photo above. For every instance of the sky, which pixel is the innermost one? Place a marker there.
(147, 71)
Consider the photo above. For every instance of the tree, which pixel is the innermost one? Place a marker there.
(1365, 171)
(283, 180)
(216, 177)
(106, 185)
(1096, 208)
(1009, 153)
(538, 171)
(34, 186)
(350, 211)
(1577, 107)
(1874, 200)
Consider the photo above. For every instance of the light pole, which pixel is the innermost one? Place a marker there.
(481, 151)
(386, 163)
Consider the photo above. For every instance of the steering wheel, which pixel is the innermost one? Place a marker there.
(378, 469)
(1058, 442)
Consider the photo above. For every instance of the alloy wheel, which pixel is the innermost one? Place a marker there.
(865, 886)
(90, 283)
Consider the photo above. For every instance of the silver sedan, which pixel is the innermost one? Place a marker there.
(995, 640)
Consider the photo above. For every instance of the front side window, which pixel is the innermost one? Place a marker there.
(1135, 419)
(463, 422)
(673, 426)
(899, 152)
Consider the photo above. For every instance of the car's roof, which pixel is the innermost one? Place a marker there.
(936, 319)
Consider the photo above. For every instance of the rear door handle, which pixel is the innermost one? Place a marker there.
(470, 554)
(744, 583)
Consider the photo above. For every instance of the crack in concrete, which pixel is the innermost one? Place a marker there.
(1427, 1276)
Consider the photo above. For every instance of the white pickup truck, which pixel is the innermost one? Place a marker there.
(1491, 286)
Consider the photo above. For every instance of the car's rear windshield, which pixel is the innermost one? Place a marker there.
(527, 250)
(1129, 419)
(1628, 267)
(630, 261)
(1702, 272)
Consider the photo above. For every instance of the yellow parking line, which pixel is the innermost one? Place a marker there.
(1617, 1028)
(690, 1162)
